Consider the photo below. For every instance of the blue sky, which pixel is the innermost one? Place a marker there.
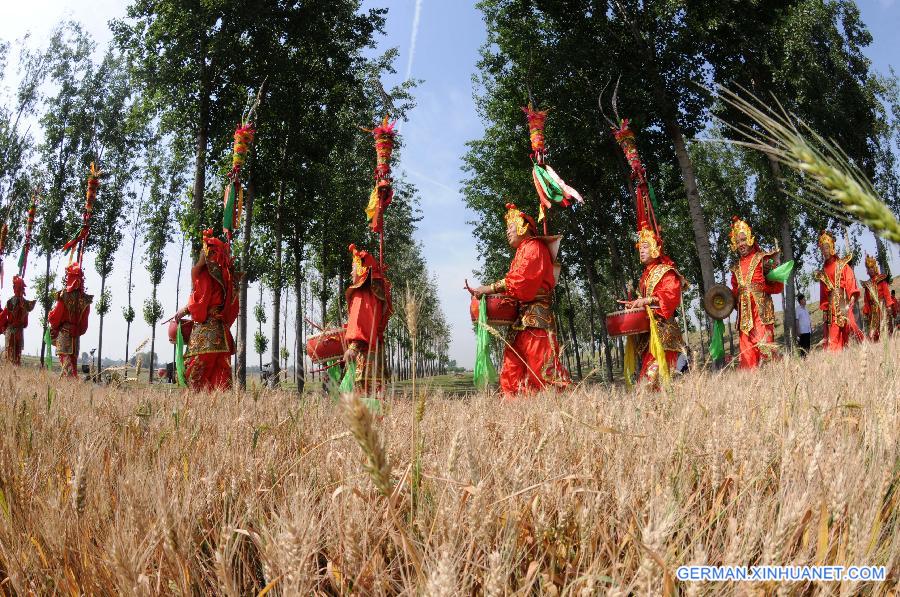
(443, 55)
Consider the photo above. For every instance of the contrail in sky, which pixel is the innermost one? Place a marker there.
(413, 36)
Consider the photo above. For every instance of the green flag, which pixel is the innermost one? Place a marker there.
(485, 373)
(349, 378)
(552, 190)
(48, 342)
(717, 343)
(179, 357)
(228, 217)
(781, 273)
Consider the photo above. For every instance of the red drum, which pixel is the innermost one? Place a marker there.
(326, 346)
(501, 309)
(627, 322)
(186, 326)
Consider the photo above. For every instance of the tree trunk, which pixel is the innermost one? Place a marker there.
(299, 369)
(571, 318)
(277, 284)
(669, 112)
(44, 303)
(787, 253)
(99, 370)
(202, 142)
(241, 357)
(134, 238)
(150, 369)
(177, 303)
(882, 256)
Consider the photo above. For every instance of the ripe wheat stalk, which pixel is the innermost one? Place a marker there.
(830, 182)
(594, 491)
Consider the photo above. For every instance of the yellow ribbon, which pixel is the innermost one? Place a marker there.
(630, 359)
(372, 207)
(656, 349)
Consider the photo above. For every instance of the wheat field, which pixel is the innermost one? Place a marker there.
(591, 492)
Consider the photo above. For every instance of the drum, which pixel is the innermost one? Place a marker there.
(501, 309)
(627, 322)
(326, 346)
(186, 326)
(718, 301)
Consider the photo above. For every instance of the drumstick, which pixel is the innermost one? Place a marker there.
(469, 288)
(315, 325)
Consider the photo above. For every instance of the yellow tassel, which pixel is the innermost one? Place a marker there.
(656, 349)
(540, 212)
(240, 206)
(630, 359)
(372, 207)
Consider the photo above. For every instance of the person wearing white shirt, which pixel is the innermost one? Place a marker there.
(803, 325)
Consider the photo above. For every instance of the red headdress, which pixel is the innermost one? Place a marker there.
(18, 286)
(74, 277)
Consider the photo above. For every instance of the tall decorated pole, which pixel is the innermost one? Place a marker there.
(76, 246)
(383, 192)
(234, 191)
(29, 226)
(643, 192)
(551, 189)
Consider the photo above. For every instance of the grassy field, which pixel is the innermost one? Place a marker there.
(595, 491)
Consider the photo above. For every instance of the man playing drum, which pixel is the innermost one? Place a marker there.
(660, 289)
(531, 360)
(838, 294)
(753, 295)
(213, 306)
(369, 307)
(878, 304)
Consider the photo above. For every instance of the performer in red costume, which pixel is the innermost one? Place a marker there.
(878, 304)
(68, 320)
(838, 294)
(531, 360)
(753, 295)
(659, 289)
(14, 320)
(369, 307)
(213, 306)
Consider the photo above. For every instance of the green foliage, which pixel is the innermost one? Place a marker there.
(104, 302)
(259, 313)
(260, 342)
(45, 286)
(128, 313)
(153, 311)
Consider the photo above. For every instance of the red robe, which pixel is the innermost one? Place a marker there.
(369, 309)
(213, 306)
(13, 321)
(756, 312)
(877, 305)
(661, 280)
(532, 361)
(834, 296)
(68, 321)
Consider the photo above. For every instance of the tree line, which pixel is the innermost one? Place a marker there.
(157, 114)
